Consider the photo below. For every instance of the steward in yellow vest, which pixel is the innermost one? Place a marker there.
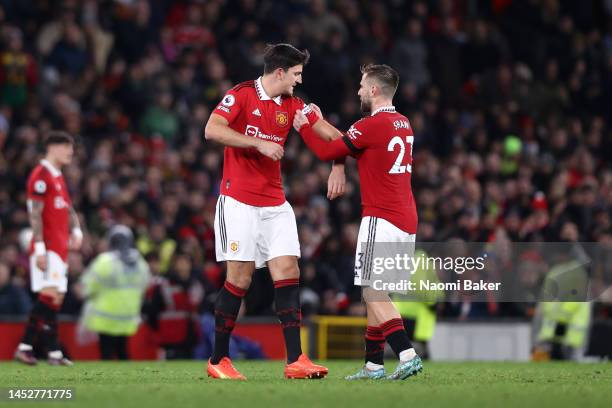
(114, 284)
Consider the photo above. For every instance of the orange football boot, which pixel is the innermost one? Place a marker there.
(224, 370)
(304, 368)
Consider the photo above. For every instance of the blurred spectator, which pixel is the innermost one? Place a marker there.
(17, 71)
(172, 306)
(158, 242)
(14, 300)
(321, 22)
(409, 56)
(135, 30)
(160, 120)
(69, 55)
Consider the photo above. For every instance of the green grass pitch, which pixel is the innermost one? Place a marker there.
(185, 384)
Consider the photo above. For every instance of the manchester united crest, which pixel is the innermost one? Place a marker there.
(282, 118)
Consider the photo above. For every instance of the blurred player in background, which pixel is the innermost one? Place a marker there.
(55, 230)
(254, 224)
(382, 144)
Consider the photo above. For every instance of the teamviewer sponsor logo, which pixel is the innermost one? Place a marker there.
(254, 131)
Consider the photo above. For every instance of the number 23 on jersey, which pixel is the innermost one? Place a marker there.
(396, 141)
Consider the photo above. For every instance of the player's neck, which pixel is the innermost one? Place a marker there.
(267, 82)
(381, 103)
(53, 162)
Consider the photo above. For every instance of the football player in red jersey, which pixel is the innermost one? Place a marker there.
(254, 224)
(382, 144)
(55, 230)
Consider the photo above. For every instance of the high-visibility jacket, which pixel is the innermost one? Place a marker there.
(115, 291)
(565, 280)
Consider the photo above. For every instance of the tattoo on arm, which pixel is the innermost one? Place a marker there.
(74, 219)
(35, 209)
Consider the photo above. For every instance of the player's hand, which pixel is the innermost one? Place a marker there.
(336, 183)
(271, 150)
(41, 262)
(316, 110)
(75, 242)
(299, 120)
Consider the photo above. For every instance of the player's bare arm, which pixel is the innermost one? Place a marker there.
(334, 150)
(35, 210)
(217, 129)
(336, 182)
(324, 129)
(76, 234)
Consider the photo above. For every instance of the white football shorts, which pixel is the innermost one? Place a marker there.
(389, 241)
(247, 233)
(55, 275)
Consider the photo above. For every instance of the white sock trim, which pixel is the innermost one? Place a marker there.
(407, 355)
(56, 354)
(24, 347)
(373, 366)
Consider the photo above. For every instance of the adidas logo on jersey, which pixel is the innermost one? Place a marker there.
(256, 112)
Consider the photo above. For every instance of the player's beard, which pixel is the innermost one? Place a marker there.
(366, 107)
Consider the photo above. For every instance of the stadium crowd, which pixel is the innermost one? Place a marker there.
(510, 102)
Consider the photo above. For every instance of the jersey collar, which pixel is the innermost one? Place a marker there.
(263, 95)
(54, 171)
(390, 108)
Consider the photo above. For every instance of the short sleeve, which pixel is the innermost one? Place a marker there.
(37, 187)
(231, 105)
(358, 135)
(306, 110)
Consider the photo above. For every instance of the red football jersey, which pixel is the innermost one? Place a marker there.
(47, 184)
(383, 147)
(249, 176)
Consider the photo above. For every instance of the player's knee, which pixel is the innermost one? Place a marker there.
(241, 280)
(50, 292)
(240, 273)
(290, 272)
(286, 273)
(285, 269)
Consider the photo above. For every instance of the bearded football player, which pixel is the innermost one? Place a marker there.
(382, 144)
